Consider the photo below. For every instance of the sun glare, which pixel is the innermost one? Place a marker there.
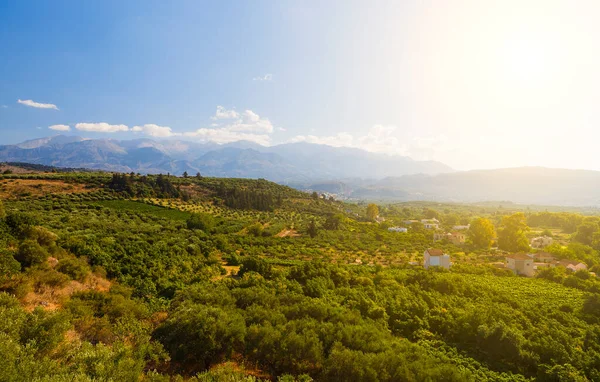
(525, 62)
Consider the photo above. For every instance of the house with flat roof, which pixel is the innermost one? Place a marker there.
(461, 227)
(456, 238)
(543, 257)
(431, 223)
(541, 241)
(520, 264)
(434, 257)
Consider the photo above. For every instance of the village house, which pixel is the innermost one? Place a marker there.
(409, 222)
(436, 258)
(520, 264)
(543, 257)
(431, 223)
(456, 238)
(398, 229)
(461, 227)
(438, 236)
(541, 241)
(572, 265)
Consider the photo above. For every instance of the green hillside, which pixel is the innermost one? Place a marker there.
(127, 277)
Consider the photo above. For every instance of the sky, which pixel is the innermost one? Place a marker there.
(470, 83)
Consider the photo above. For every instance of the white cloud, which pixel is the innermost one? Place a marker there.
(101, 127)
(4, 106)
(226, 136)
(247, 126)
(38, 105)
(266, 77)
(380, 139)
(60, 127)
(249, 121)
(339, 140)
(223, 113)
(155, 130)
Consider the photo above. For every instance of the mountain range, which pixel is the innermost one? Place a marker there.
(524, 185)
(346, 172)
(300, 163)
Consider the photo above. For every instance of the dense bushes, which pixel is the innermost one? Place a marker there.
(342, 305)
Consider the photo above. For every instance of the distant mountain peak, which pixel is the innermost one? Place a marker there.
(290, 162)
(53, 140)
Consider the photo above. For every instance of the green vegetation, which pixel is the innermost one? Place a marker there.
(161, 278)
(512, 234)
(481, 233)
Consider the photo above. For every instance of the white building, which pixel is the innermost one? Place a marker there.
(461, 227)
(572, 265)
(520, 264)
(398, 229)
(456, 238)
(431, 223)
(436, 258)
(541, 241)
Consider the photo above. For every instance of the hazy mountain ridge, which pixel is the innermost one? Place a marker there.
(287, 163)
(525, 185)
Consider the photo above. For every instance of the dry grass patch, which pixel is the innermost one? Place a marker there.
(14, 188)
(288, 233)
(53, 298)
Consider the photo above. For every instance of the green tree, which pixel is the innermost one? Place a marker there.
(312, 228)
(585, 232)
(31, 253)
(333, 222)
(2, 210)
(511, 236)
(481, 233)
(428, 213)
(200, 335)
(185, 174)
(202, 221)
(8, 264)
(372, 211)
(255, 229)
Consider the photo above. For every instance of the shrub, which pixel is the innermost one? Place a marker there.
(204, 222)
(31, 253)
(77, 269)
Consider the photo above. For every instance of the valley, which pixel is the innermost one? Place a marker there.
(206, 279)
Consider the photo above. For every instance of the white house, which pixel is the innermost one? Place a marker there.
(398, 229)
(461, 227)
(541, 241)
(543, 257)
(456, 238)
(520, 264)
(572, 265)
(436, 258)
(437, 236)
(431, 223)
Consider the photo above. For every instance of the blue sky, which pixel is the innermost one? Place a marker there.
(471, 83)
